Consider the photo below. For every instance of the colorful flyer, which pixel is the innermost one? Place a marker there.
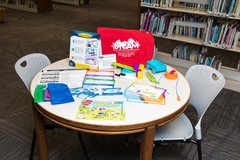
(101, 110)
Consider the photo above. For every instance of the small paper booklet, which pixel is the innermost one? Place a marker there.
(99, 79)
(72, 77)
(97, 83)
(144, 93)
(91, 92)
(101, 110)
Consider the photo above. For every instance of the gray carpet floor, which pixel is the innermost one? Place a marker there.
(48, 33)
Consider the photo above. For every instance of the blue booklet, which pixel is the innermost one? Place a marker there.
(111, 91)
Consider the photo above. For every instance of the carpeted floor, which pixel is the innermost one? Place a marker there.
(48, 33)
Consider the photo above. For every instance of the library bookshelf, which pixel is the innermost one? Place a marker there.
(36, 6)
(231, 74)
(72, 2)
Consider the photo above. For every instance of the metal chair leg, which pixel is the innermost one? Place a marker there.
(126, 140)
(33, 144)
(83, 146)
(199, 149)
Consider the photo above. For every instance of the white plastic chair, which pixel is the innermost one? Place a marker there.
(27, 67)
(205, 83)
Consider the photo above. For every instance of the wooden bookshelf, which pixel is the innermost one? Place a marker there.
(37, 6)
(231, 74)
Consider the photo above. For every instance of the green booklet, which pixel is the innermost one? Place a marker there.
(101, 110)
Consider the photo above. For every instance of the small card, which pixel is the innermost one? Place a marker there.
(105, 61)
(111, 91)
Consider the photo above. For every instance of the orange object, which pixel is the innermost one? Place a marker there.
(178, 98)
(171, 74)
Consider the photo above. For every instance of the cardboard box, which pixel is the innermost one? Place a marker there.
(2, 15)
(84, 49)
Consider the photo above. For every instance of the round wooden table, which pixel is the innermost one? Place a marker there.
(140, 117)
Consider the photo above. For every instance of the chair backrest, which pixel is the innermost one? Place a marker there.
(29, 65)
(205, 83)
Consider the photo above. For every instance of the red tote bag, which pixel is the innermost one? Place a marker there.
(130, 46)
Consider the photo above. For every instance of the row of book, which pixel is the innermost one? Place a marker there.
(165, 24)
(224, 8)
(158, 3)
(24, 3)
(156, 22)
(210, 30)
(222, 34)
(172, 3)
(198, 55)
(190, 25)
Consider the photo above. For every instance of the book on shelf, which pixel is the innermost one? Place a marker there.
(207, 30)
(236, 40)
(230, 38)
(226, 8)
(214, 32)
(155, 22)
(230, 31)
(238, 66)
(216, 63)
(236, 10)
(208, 61)
(101, 110)
(192, 53)
(202, 58)
(148, 20)
(176, 51)
(221, 34)
(229, 12)
(164, 23)
(142, 19)
(202, 5)
(223, 8)
(23, 3)
(171, 25)
(209, 9)
(226, 29)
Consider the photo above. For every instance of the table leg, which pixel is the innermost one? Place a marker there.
(147, 143)
(41, 134)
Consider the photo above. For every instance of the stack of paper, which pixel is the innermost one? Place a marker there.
(99, 79)
(144, 93)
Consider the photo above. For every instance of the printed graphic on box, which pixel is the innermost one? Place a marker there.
(84, 48)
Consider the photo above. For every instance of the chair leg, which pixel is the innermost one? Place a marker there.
(199, 149)
(126, 140)
(83, 146)
(33, 144)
